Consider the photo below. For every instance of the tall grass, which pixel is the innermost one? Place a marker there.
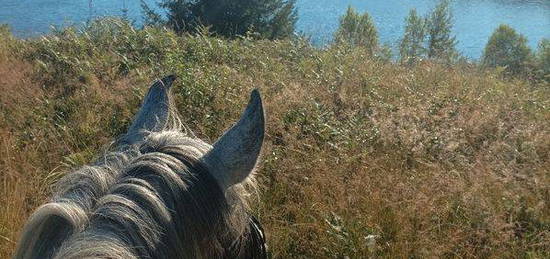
(363, 158)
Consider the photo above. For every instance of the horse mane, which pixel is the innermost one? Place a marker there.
(154, 199)
(158, 193)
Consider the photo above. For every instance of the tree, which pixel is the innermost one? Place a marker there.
(411, 47)
(150, 17)
(357, 30)
(272, 19)
(543, 59)
(441, 45)
(429, 36)
(507, 49)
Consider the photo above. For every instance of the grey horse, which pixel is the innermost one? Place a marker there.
(158, 193)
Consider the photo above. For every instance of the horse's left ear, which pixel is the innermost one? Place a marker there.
(234, 155)
(155, 112)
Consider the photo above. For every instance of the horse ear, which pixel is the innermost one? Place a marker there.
(154, 113)
(46, 230)
(234, 155)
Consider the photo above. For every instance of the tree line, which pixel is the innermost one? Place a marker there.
(426, 37)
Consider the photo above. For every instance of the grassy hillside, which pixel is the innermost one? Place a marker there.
(362, 157)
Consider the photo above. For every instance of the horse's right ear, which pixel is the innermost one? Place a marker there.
(155, 112)
(234, 155)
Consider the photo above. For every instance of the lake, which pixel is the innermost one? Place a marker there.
(475, 20)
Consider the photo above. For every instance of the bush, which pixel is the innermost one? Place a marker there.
(507, 49)
(107, 48)
(5, 31)
(6, 38)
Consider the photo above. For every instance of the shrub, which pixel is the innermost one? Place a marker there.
(5, 31)
(6, 39)
(107, 48)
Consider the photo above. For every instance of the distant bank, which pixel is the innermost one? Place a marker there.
(475, 20)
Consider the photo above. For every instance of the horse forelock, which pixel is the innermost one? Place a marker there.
(155, 199)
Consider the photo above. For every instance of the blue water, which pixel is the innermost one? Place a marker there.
(475, 20)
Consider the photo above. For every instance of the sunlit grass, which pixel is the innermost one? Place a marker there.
(362, 157)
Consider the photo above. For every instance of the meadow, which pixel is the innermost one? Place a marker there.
(363, 157)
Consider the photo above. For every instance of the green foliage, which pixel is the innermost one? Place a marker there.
(284, 21)
(362, 158)
(357, 30)
(270, 19)
(543, 59)
(441, 44)
(4, 31)
(411, 47)
(384, 52)
(506, 48)
(429, 37)
(107, 48)
(150, 17)
(5, 37)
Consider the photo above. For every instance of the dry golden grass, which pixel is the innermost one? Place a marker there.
(363, 158)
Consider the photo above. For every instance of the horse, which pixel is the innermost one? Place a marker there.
(158, 192)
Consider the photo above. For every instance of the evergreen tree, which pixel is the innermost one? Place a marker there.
(508, 49)
(272, 19)
(150, 17)
(357, 30)
(441, 45)
(284, 21)
(411, 47)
